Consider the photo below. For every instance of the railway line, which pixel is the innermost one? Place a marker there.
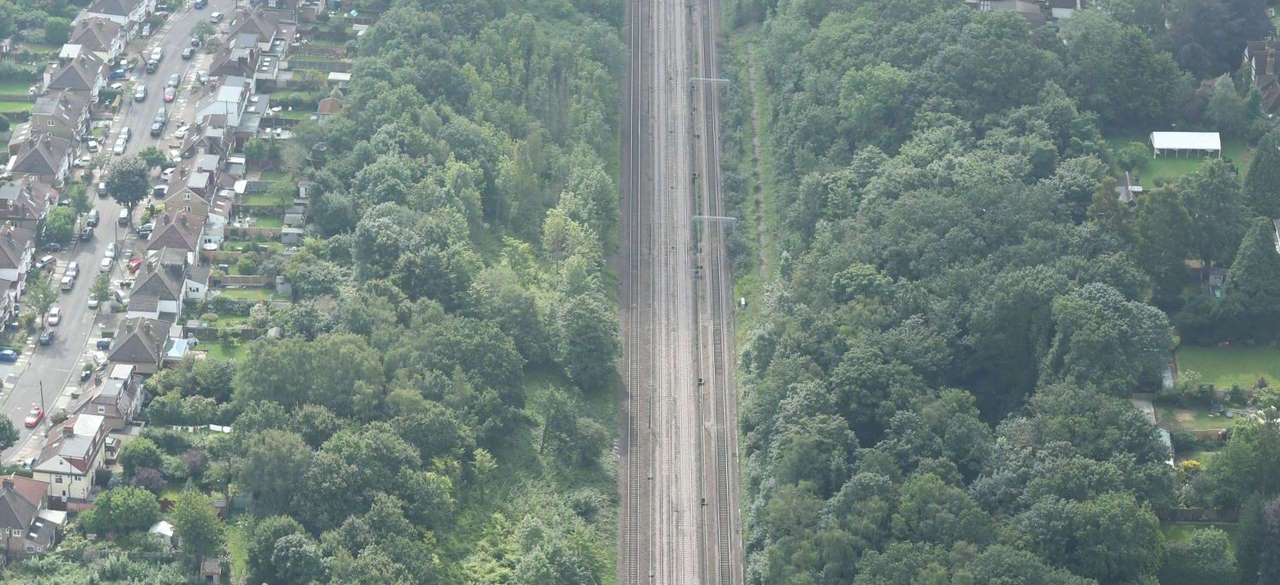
(678, 474)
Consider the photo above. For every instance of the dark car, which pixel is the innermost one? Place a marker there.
(86, 234)
(46, 337)
(51, 247)
(8, 355)
(157, 128)
(188, 53)
(117, 73)
(103, 344)
(200, 4)
(195, 41)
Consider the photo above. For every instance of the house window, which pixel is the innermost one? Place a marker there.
(102, 410)
(57, 479)
(187, 196)
(16, 531)
(31, 549)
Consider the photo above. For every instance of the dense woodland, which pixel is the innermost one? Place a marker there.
(440, 405)
(936, 387)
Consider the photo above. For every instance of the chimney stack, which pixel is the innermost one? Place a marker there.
(68, 429)
(8, 483)
(1271, 58)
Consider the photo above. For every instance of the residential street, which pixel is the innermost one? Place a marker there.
(52, 369)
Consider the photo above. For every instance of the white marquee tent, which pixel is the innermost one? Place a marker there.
(1186, 142)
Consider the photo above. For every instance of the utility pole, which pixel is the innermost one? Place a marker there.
(42, 396)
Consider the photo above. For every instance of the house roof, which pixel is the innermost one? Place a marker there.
(1186, 141)
(254, 22)
(329, 105)
(95, 33)
(20, 500)
(113, 7)
(18, 202)
(178, 228)
(13, 245)
(152, 286)
(78, 74)
(42, 156)
(139, 341)
(70, 453)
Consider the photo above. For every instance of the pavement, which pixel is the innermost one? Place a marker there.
(46, 374)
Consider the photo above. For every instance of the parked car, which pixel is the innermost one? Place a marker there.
(175, 80)
(8, 355)
(46, 262)
(93, 301)
(188, 53)
(118, 149)
(111, 250)
(55, 316)
(124, 217)
(46, 337)
(152, 66)
(140, 93)
(118, 73)
(157, 128)
(202, 77)
(67, 284)
(94, 217)
(166, 174)
(73, 269)
(126, 134)
(200, 4)
(215, 18)
(51, 247)
(34, 417)
(169, 94)
(92, 145)
(105, 265)
(103, 343)
(195, 41)
(86, 234)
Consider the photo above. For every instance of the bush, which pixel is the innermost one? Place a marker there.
(1183, 442)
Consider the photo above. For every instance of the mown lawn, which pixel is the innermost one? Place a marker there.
(1225, 366)
(7, 107)
(14, 87)
(247, 294)
(217, 351)
(268, 222)
(273, 176)
(300, 115)
(1170, 168)
(1185, 419)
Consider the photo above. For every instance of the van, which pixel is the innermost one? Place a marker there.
(92, 220)
(124, 217)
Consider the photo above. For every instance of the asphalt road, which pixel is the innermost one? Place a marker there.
(46, 372)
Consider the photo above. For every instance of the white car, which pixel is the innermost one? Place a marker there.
(125, 133)
(105, 265)
(118, 149)
(164, 176)
(55, 316)
(111, 250)
(93, 301)
(73, 269)
(92, 145)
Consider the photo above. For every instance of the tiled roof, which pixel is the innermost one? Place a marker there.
(79, 74)
(95, 33)
(139, 341)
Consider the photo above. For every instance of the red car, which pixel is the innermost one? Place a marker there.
(169, 94)
(34, 417)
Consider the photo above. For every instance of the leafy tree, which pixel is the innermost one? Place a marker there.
(1107, 341)
(40, 292)
(1227, 108)
(60, 225)
(1262, 182)
(148, 478)
(8, 434)
(152, 157)
(1209, 36)
(273, 462)
(78, 193)
(1205, 558)
(101, 288)
(297, 560)
(261, 546)
(121, 510)
(1212, 197)
(127, 181)
(140, 452)
(56, 30)
(589, 341)
(1103, 58)
(1163, 228)
(931, 511)
(1252, 281)
(196, 524)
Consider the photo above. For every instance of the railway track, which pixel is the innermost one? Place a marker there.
(678, 479)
